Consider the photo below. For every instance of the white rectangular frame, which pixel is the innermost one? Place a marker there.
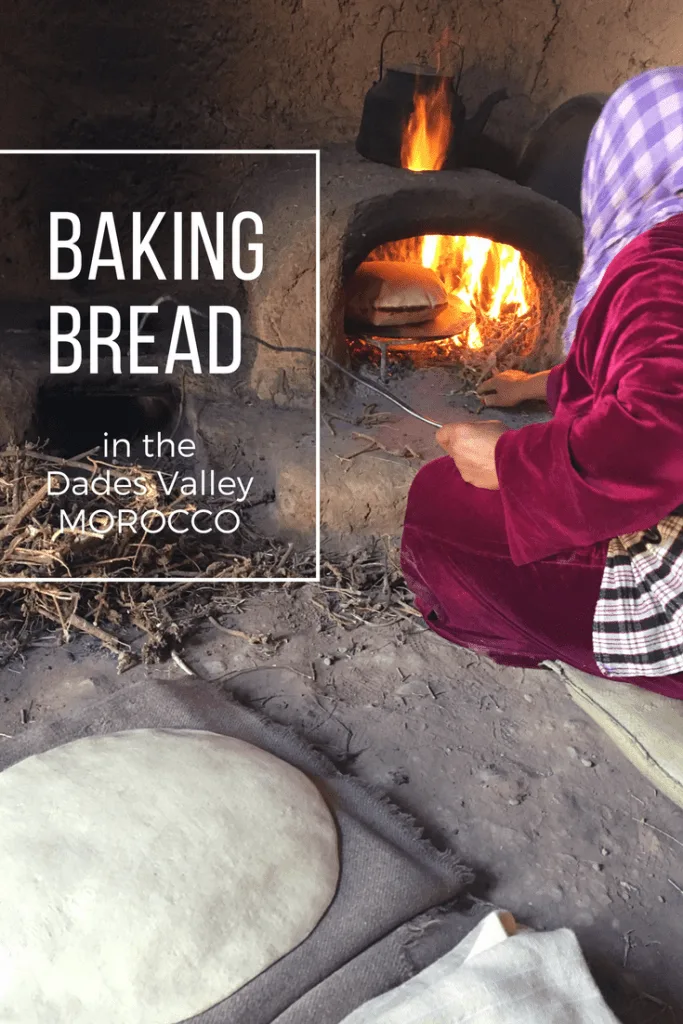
(211, 152)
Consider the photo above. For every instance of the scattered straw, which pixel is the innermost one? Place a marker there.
(149, 621)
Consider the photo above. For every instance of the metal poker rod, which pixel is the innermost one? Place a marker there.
(312, 353)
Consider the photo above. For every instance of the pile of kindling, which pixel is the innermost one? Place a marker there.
(150, 621)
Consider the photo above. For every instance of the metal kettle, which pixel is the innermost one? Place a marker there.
(389, 103)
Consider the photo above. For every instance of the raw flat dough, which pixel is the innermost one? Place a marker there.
(384, 292)
(145, 876)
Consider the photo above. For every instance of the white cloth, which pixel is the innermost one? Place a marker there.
(499, 974)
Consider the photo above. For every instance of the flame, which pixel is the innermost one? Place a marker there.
(492, 278)
(430, 250)
(427, 135)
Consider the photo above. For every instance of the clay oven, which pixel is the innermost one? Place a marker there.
(366, 206)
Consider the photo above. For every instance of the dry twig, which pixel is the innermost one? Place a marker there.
(642, 821)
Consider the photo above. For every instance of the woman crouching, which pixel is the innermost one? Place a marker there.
(563, 540)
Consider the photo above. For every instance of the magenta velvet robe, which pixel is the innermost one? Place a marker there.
(515, 573)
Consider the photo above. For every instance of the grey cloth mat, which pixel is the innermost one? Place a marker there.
(384, 923)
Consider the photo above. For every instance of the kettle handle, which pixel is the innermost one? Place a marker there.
(391, 32)
(456, 78)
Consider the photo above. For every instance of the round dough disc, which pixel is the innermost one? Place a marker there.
(145, 876)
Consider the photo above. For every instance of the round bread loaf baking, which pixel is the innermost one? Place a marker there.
(388, 292)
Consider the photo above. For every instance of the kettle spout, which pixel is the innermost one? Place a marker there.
(477, 123)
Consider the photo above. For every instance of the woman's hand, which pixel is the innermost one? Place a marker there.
(511, 387)
(472, 446)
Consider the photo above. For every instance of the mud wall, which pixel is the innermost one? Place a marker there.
(277, 72)
(290, 71)
(318, 57)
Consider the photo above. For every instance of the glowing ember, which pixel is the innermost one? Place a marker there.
(428, 133)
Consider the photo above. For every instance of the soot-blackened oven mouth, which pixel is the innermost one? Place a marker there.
(442, 300)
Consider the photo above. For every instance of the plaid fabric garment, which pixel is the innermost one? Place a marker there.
(633, 180)
(638, 622)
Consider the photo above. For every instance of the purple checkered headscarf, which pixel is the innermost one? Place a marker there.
(632, 175)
